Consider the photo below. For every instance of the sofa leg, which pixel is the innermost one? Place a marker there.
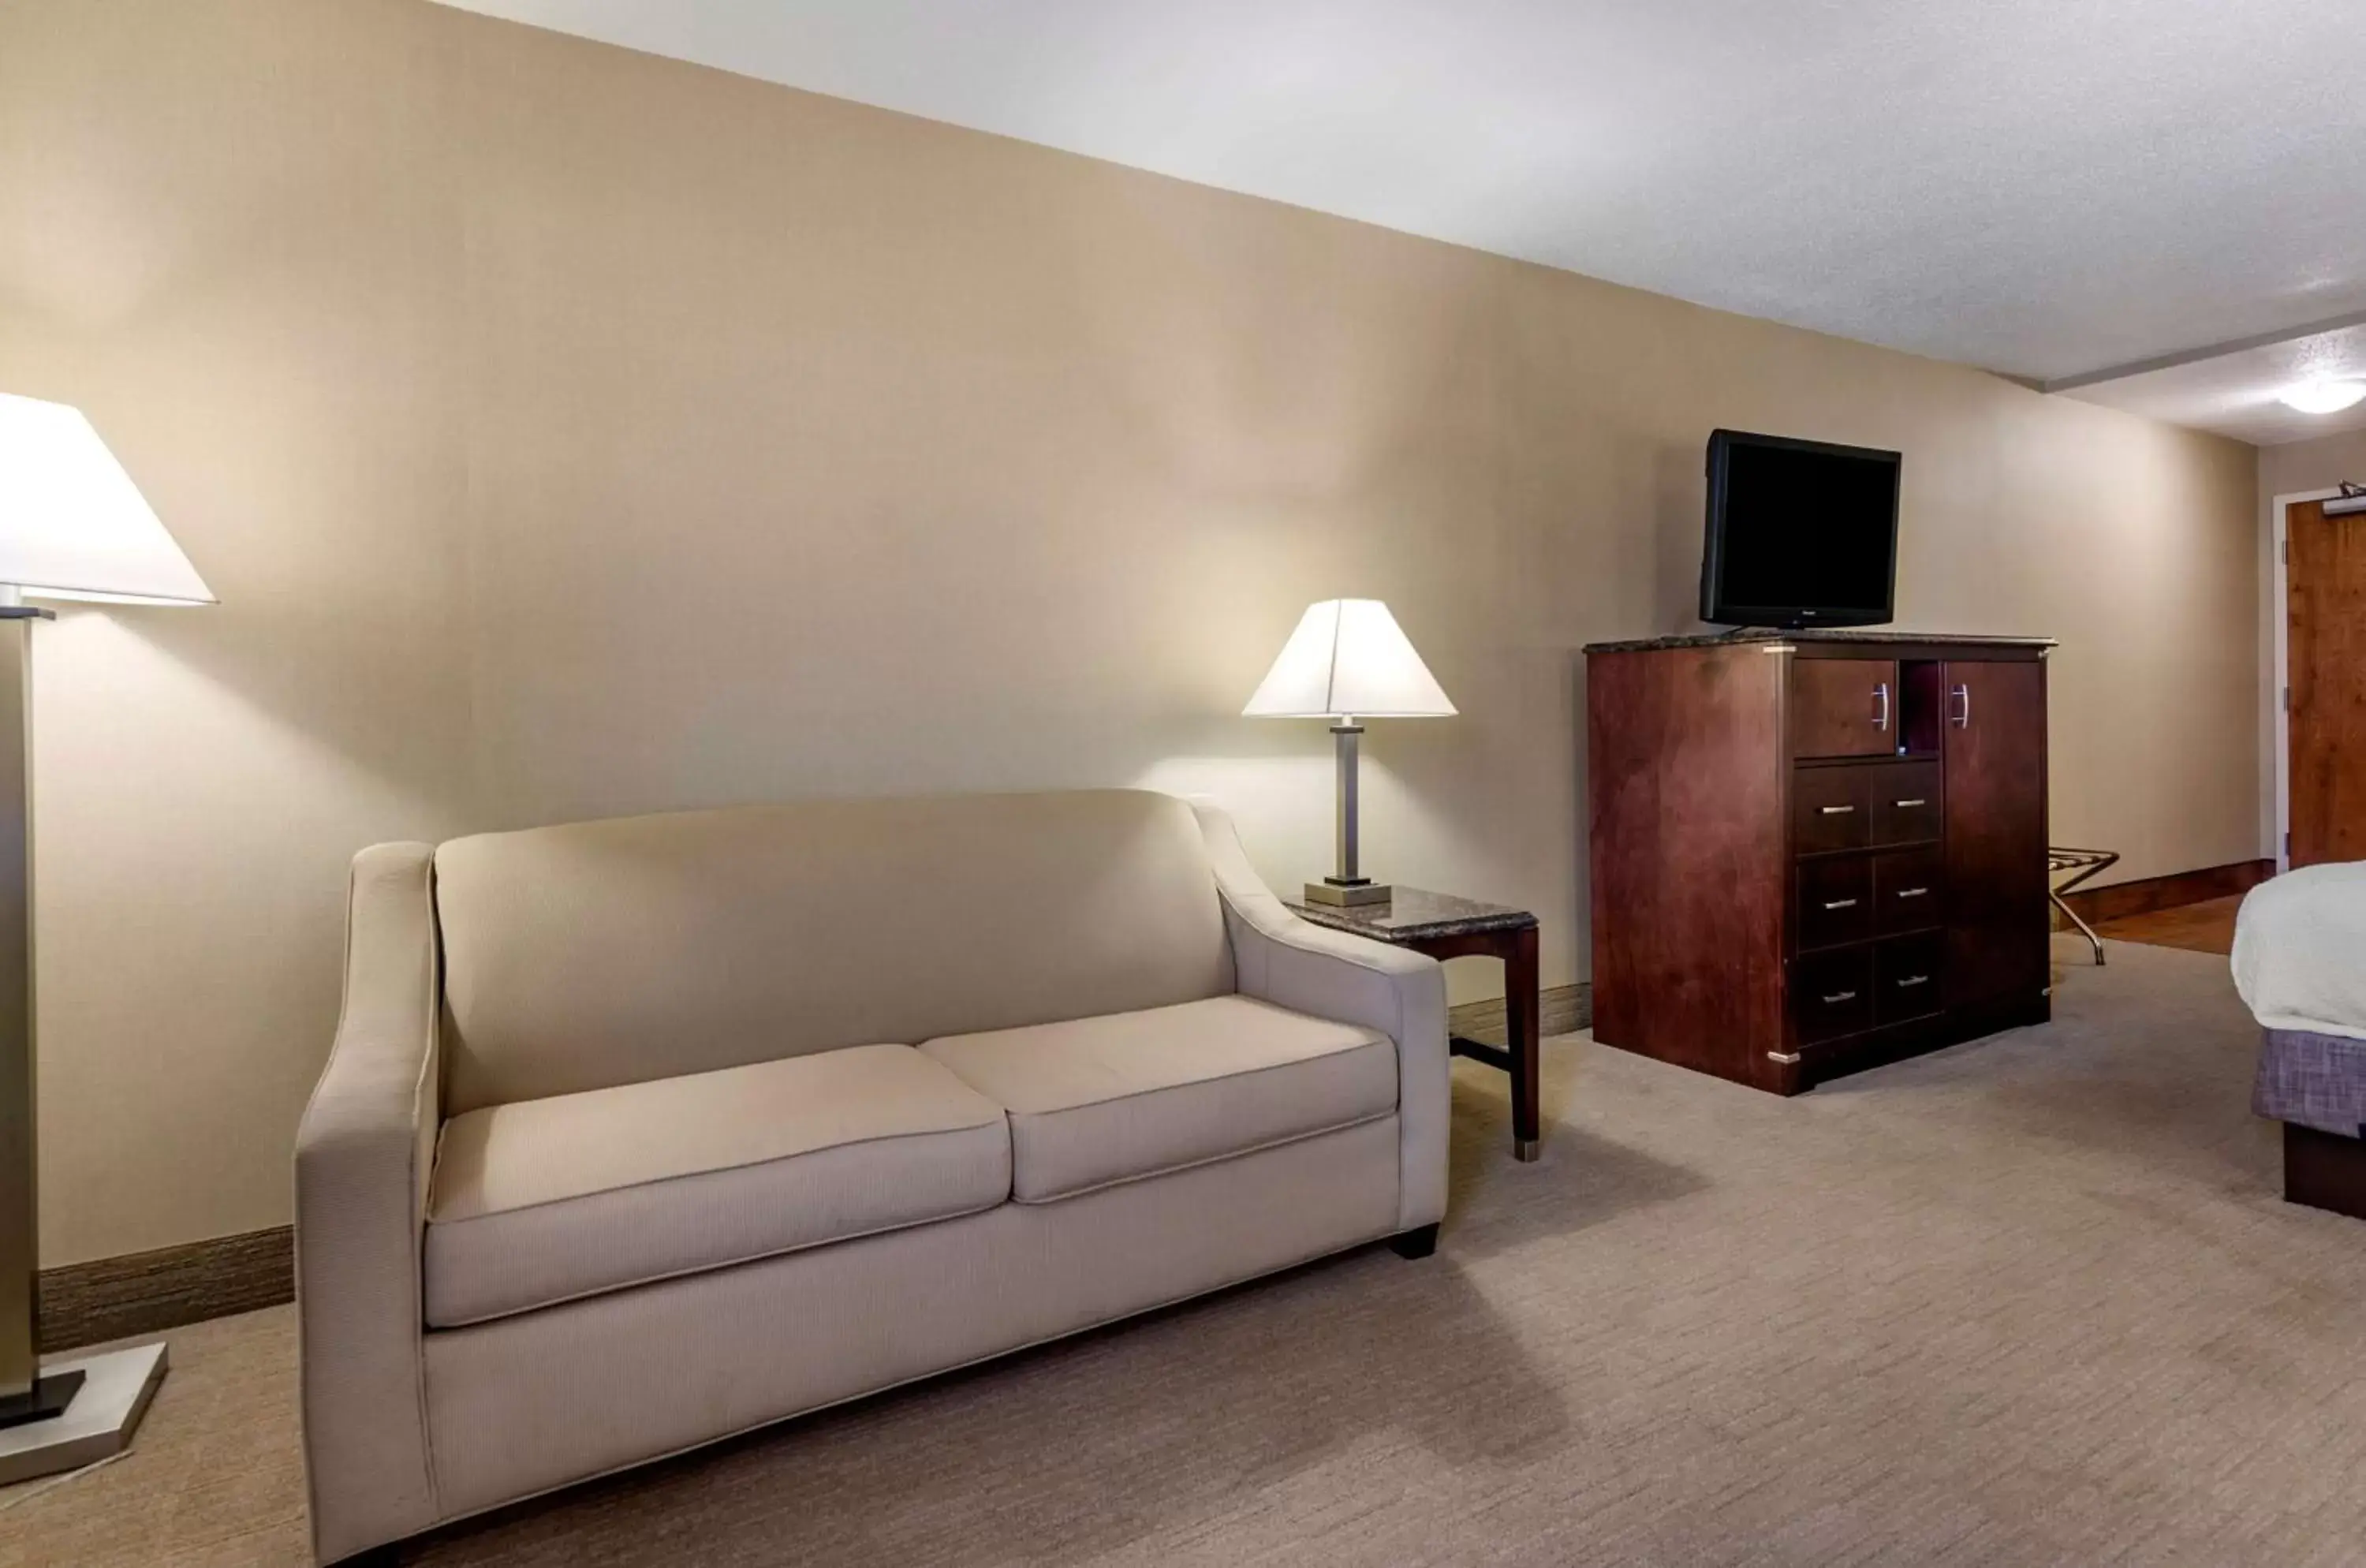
(1419, 1242)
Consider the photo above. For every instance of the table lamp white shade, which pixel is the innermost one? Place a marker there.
(73, 525)
(1349, 657)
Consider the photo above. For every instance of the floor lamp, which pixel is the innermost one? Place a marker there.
(73, 525)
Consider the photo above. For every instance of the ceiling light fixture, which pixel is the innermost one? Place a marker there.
(2322, 396)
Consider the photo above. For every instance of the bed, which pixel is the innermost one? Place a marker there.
(2300, 963)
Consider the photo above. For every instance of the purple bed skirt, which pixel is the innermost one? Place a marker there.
(2312, 1080)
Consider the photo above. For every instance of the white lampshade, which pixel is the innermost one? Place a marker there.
(1348, 658)
(73, 525)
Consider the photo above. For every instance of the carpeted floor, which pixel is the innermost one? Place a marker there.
(2030, 1300)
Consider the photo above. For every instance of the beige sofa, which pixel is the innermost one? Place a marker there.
(641, 1133)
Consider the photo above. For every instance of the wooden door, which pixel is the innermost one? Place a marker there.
(1843, 707)
(1993, 739)
(2326, 653)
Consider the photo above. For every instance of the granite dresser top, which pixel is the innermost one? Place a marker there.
(1415, 915)
(1813, 634)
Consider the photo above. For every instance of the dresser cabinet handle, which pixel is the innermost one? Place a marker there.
(1839, 997)
(1912, 892)
(1881, 695)
(1905, 803)
(1837, 810)
(1841, 903)
(1912, 980)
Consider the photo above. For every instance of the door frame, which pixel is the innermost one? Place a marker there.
(2279, 562)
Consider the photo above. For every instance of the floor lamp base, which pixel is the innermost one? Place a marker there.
(107, 1396)
(51, 1393)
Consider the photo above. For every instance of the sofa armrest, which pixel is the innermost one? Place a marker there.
(1295, 964)
(363, 1154)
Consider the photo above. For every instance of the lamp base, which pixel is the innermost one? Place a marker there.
(97, 1421)
(50, 1396)
(1348, 895)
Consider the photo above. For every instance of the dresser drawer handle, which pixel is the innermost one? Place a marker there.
(1835, 999)
(1837, 810)
(1901, 804)
(1841, 903)
(1912, 892)
(1912, 980)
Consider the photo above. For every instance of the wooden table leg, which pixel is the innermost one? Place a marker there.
(1523, 1007)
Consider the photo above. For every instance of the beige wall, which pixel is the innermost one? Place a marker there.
(569, 432)
(2296, 468)
(2313, 465)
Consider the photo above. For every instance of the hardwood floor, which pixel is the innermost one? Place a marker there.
(2206, 927)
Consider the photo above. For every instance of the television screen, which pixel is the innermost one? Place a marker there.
(1800, 532)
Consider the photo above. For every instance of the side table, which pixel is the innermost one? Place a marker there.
(1443, 926)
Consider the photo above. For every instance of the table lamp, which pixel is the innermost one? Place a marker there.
(73, 525)
(1347, 657)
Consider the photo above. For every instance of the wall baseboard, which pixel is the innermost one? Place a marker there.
(1564, 1009)
(2148, 894)
(141, 1292)
(145, 1292)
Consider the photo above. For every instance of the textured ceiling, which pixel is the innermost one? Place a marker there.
(2044, 187)
(2234, 393)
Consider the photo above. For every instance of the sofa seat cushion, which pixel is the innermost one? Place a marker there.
(1100, 1101)
(545, 1200)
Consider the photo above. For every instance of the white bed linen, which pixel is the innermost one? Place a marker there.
(2299, 950)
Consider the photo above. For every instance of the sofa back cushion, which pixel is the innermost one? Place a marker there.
(599, 954)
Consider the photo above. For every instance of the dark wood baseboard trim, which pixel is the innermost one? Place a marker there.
(1565, 1011)
(2148, 894)
(141, 1292)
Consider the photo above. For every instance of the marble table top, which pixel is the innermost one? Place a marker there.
(1415, 915)
(1814, 634)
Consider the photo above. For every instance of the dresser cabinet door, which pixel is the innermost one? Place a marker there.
(1993, 739)
(1843, 707)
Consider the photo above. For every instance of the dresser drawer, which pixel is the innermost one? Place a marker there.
(1906, 806)
(1831, 808)
(1910, 891)
(1831, 994)
(1908, 977)
(1835, 901)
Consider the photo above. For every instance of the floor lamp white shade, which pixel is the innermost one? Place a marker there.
(73, 525)
(1348, 658)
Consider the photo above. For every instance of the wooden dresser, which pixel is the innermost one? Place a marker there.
(1816, 852)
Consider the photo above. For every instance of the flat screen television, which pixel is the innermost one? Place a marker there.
(1800, 532)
